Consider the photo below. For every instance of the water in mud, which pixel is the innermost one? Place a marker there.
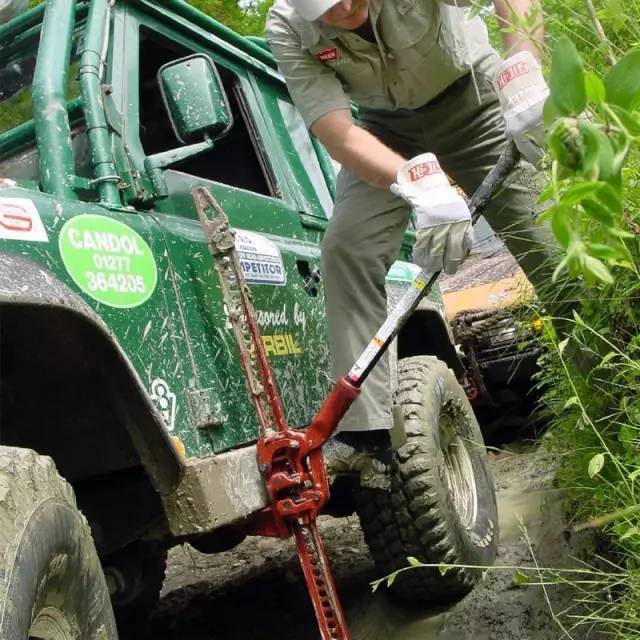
(256, 592)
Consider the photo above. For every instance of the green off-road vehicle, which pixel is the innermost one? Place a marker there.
(125, 422)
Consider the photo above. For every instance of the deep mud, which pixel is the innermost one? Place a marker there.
(256, 591)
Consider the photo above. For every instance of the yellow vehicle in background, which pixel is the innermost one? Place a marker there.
(490, 305)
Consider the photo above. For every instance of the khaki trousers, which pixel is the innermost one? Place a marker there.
(464, 128)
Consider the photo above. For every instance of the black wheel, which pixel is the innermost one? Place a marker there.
(51, 582)
(442, 504)
(135, 576)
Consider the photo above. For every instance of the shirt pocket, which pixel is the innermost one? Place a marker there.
(360, 74)
(409, 24)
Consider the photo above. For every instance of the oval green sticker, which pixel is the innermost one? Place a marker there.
(108, 260)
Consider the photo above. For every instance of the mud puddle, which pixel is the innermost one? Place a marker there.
(256, 592)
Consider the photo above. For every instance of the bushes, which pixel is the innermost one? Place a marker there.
(591, 378)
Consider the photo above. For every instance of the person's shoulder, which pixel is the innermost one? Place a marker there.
(282, 16)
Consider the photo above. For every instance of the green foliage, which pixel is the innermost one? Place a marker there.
(567, 81)
(245, 18)
(589, 152)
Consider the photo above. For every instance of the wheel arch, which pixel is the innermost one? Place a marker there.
(69, 391)
(427, 333)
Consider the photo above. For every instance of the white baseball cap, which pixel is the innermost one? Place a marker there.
(311, 10)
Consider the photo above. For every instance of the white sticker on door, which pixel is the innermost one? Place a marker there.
(165, 400)
(260, 259)
(20, 220)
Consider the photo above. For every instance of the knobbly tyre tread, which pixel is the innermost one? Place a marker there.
(32, 494)
(416, 518)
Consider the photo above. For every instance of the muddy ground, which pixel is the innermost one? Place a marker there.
(256, 591)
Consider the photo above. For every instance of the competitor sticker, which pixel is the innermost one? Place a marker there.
(260, 259)
(511, 73)
(165, 400)
(20, 220)
(424, 169)
(328, 55)
(108, 260)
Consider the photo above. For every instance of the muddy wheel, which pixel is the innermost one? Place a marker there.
(51, 583)
(442, 503)
(135, 576)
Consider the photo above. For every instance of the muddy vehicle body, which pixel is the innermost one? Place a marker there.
(125, 422)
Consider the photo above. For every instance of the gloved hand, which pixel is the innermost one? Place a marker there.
(522, 92)
(442, 218)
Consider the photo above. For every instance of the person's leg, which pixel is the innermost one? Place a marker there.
(466, 132)
(361, 243)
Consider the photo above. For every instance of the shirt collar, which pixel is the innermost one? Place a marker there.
(312, 31)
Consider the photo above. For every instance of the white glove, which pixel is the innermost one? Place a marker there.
(522, 92)
(442, 218)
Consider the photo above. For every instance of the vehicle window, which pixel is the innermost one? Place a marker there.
(16, 78)
(301, 141)
(15, 92)
(235, 160)
(301, 171)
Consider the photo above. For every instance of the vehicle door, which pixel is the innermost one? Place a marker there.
(279, 258)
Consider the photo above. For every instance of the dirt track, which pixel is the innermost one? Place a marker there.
(256, 592)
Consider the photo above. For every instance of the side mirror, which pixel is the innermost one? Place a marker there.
(195, 99)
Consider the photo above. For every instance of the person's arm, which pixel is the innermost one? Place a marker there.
(512, 12)
(357, 149)
(318, 94)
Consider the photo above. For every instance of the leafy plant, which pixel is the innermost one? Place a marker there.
(594, 127)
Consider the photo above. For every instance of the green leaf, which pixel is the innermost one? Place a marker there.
(571, 402)
(630, 121)
(562, 265)
(604, 251)
(414, 562)
(547, 194)
(549, 113)
(391, 579)
(621, 233)
(563, 345)
(567, 81)
(579, 192)
(520, 578)
(598, 212)
(596, 139)
(610, 198)
(443, 568)
(561, 225)
(622, 82)
(595, 465)
(632, 531)
(597, 269)
(590, 149)
(596, 91)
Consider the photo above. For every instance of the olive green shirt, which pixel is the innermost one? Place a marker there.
(421, 47)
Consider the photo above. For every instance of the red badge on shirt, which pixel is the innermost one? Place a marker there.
(511, 73)
(328, 55)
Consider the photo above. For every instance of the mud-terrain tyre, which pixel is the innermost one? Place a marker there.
(51, 582)
(135, 576)
(442, 504)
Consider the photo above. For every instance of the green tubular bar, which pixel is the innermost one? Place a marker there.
(50, 115)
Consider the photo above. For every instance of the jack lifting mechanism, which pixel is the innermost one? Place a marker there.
(291, 459)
